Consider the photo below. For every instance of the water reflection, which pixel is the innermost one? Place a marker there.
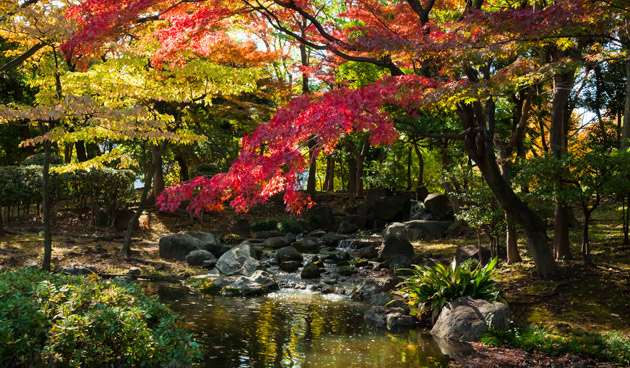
(293, 328)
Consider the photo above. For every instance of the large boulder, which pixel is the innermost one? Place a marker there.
(179, 245)
(359, 221)
(394, 245)
(418, 229)
(321, 216)
(239, 260)
(471, 251)
(197, 257)
(388, 208)
(347, 228)
(439, 206)
(467, 319)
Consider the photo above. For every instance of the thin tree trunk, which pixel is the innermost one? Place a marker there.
(511, 241)
(480, 248)
(183, 168)
(586, 247)
(46, 205)
(158, 172)
(625, 208)
(330, 174)
(148, 178)
(409, 161)
(420, 166)
(625, 129)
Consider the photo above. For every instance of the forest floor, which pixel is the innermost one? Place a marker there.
(580, 301)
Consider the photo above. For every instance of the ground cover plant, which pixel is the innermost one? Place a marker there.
(52, 320)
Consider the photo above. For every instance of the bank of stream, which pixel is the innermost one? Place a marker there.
(293, 328)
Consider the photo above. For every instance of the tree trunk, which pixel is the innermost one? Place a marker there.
(511, 241)
(67, 153)
(480, 248)
(420, 166)
(586, 246)
(409, 161)
(158, 172)
(329, 180)
(148, 177)
(562, 85)
(312, 172)
(46, 206)
(625, 216)
(183, 168)
(81, 153)
(625, 129)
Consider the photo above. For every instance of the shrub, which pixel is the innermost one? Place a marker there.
(38, 159)
(289, 226)
(429, 288)
(266, 225)
(608, 345)
(72, 321)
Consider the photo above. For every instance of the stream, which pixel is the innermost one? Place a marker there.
(293, 328)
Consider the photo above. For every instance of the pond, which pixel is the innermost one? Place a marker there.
(293, 328)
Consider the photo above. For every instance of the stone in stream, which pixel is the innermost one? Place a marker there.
(197, 257)
(390, 318)
(259, 283)
(276, 242)
(307, 245)
(467, 319)
(134, 272)
(238, 261)
(290, 266)
(289, 254)
(332, 240)
(310, 271)
(346, 270)
(77, 270)
(393, 246)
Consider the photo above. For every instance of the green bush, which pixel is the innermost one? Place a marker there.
(266, 225)
(608, 345)
(289, 226)
(72, 321)
(429, 288)
(38, 160)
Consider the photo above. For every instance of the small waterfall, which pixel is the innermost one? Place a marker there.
(358, 243)
(417, 211)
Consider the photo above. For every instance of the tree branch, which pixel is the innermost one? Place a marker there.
(22, 58)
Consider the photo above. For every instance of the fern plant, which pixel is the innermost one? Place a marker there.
(428, 289)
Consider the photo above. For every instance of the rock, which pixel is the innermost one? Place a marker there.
(415, 210)
(346, 271)
(134, 272)
(259, 283)
(321, 216)
(307, 245)
(418, 229)
(399, 264)
(455, 229)
(391, 318)
(241, 228)
(471, 251)
(290, 266)
(179, 245)
(347, 228)
(317, 233)
(359, 221)
(439, 206)
(388, 208)
(238, 261)
(339, 258)
(467, 319)
(332, 239)
(289, 254)
(310, 271)
(374, 285)
(358, 243)
(388, 299)
(209, 263)
(276, 242)
(421, 193)
(375, 194)
(369, 252)
(393, 246)
(361, 263)
(77, 270)
(197, 257)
